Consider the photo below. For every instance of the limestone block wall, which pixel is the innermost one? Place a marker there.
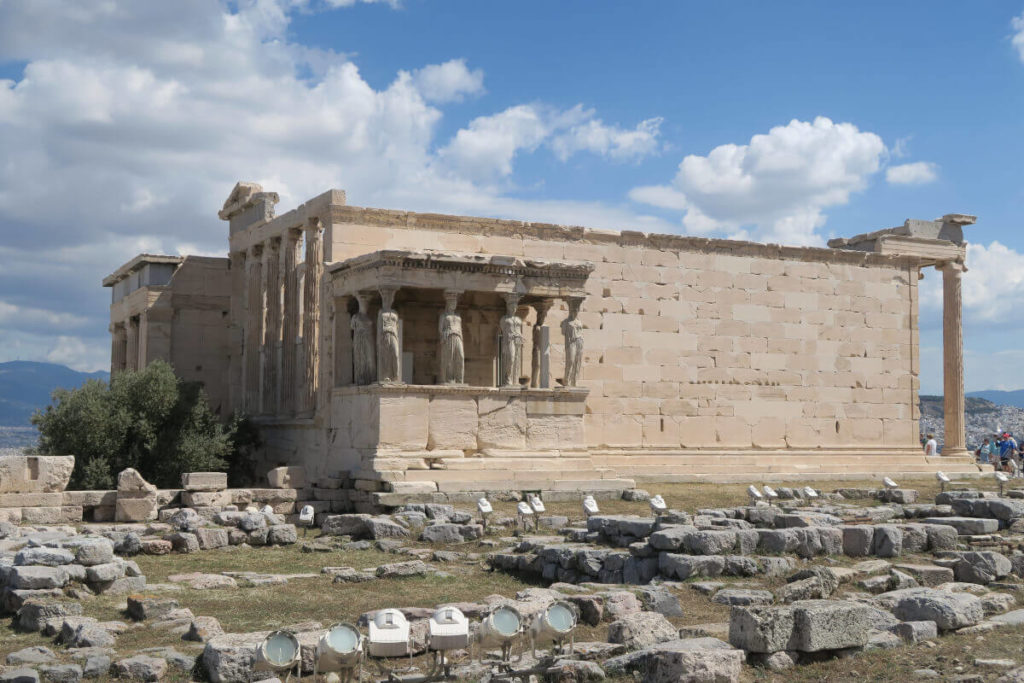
(697, 343)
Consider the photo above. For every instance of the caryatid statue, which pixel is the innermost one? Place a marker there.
(539, 349)
(389, 352)
(572, 331)
(453, 358)
(511, 342)
(364, 356)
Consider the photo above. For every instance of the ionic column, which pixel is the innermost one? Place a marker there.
(272, 331)
(953, 359)
(311, 313)
(253, 328)
(132, 345)
(290, 313)
(119, 340)
(540, 368)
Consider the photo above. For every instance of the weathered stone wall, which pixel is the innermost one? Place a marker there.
(709, 343)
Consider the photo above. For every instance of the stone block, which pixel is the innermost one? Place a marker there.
(502, 422)
(287, 477)
(949, 611)
(641, 629)
(916, 631)
(982, 567)
(712, 664)
(131, 484)
(201, 499)
(761, 629)
(37, 577)
(49, 557)
(42, 515)
(888, 540)
(211, 538)
(829, 625)
(452, 423)
(35, 473)
(94, 552)
(967, 525)
(204, 481)
(141, 509)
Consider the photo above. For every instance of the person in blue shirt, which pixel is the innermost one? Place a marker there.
(985, 452)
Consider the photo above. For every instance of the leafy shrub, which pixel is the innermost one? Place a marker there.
(147, 419)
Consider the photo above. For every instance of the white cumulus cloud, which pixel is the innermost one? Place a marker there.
(448, 82)
(917, 173)
(776, 187)
(1018, 37)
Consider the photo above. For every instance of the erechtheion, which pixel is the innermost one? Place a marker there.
(414, 353)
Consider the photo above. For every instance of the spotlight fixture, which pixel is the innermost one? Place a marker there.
(770, 493)
(340, 650)
(889, 483)
(502, 625)
(943, 480)
(809, 492)
(556, 625)
(525, 514)
(590, 506)
(388, 634)
(1002, 479)
(278, 652)
(658, 505)
(536, 503)
(266, 510)
(306, 517)
(485, 508)
(754, 494)
(448, 629)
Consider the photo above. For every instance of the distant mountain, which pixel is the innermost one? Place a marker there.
(1007, 398)
(931, 406)
(25, 387)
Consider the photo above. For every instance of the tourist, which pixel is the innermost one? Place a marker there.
(931, 447)
(985, 452)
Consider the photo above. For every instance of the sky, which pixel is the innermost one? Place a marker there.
(124, 126)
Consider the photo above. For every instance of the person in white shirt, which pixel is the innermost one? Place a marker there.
(931, 447)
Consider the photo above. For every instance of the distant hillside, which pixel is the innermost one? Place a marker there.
(931, 406)
(1006, 398)
(25, 387)
(982, 418)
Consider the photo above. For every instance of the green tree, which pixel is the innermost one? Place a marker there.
(148, 419)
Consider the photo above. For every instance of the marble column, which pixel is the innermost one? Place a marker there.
(311, 313)
(272, 328)
(119, 340)
(290, 321)
(953, 359)
(540, 372)
(253, 328)
(132, 345)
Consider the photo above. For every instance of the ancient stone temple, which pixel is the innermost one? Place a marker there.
(409, 352)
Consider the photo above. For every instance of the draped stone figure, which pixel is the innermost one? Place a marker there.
(511, 342)
(390, 350)
(364, 359)
(452, 357)
(540, 350)
(572, 330)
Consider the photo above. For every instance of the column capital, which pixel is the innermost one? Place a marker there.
(951, 267)
(313, 224)
(387, 297)
(254, 251)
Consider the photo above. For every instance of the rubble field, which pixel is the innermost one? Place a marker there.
(856, 581)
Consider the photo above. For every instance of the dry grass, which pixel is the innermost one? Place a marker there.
(318, 599)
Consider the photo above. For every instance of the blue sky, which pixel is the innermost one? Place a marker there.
(126, 124)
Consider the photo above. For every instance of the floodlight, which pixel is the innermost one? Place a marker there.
(485, 508)
(340, 649)
(388, 634)
(501, 627)
(554, 624)
(267, 510)
(448, 629)
(537, 504)
(278, 652)
(306, 514)
(889, 483)
(754, 494)
(943, 480)
(770, 493)
(525, 513)
(590, 506)
(658, 504)
(1002, 478)
(809, 492)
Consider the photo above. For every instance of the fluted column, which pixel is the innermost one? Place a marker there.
(272, 331)
(953, 359)
(312, 313)
(253, 327)
(132, 344)
(290, 321)
(118, 352)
